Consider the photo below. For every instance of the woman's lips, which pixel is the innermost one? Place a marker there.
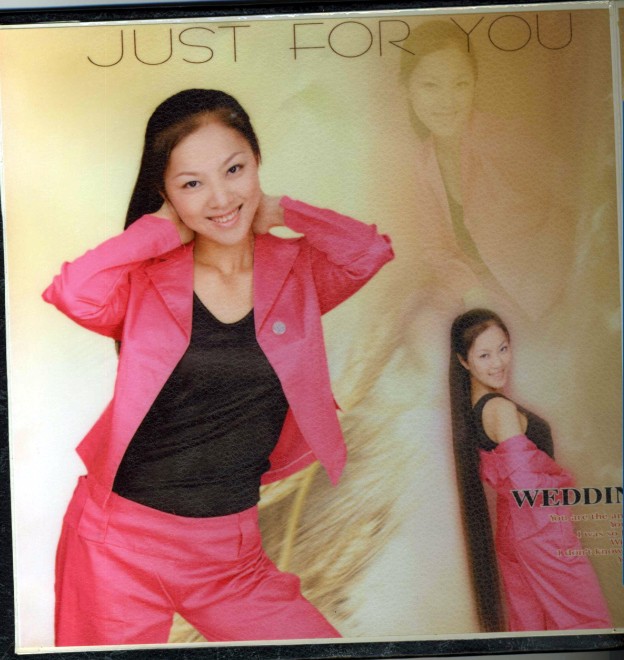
(226, 218)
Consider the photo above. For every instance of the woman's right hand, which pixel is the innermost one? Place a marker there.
(169, 213)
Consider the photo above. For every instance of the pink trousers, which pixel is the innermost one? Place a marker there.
(123, 569)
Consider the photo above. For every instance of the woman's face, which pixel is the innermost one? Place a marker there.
(489, 360)
(212, 182)
(441, 89)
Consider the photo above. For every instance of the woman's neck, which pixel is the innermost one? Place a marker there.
(226, 259)
(447, 146)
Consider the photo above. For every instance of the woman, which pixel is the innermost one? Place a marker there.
(491, 209)
(222, 383)
(546, 587)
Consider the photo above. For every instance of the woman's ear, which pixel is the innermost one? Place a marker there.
(463, 362)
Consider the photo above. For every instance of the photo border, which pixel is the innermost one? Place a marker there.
(444, 645)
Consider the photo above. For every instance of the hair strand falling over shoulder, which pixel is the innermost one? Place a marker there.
(474, 510)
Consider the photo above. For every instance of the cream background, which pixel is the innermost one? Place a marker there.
(333, 131)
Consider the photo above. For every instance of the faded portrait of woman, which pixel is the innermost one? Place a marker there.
(491, 200)
(514, 200)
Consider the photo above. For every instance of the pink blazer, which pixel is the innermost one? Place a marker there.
(517, 464)
(137, 288)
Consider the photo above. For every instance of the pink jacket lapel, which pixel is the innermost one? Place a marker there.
(273, 260)
(172, 275)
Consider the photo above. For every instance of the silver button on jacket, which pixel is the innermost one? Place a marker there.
(279, 327)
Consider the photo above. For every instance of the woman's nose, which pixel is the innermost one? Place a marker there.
(219, 196)
(446, 99)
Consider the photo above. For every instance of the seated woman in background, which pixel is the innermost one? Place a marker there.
(549, 584)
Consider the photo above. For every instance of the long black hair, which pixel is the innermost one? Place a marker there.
(172, 121)
(476, 520)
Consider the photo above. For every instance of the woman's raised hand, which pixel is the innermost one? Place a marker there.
(269, 214)
(169, 213)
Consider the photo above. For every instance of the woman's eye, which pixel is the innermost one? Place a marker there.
(191, 184)
(234, 169)
(504, 349)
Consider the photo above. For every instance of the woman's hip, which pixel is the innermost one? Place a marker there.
(117, 521)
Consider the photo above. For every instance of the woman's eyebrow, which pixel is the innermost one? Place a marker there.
(230, 158)
(234, 155)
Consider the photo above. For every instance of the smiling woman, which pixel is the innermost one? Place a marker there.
(441, 89)
(221, 344)
(493, 222)
(548, 581)
(213, 194)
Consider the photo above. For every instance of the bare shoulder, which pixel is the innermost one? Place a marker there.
(501, 419)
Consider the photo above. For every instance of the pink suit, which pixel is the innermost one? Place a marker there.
(545, 587)
(137, 288)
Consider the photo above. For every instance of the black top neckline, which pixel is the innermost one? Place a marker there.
(487, 397)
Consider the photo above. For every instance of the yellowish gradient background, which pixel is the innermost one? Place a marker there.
(334, 131)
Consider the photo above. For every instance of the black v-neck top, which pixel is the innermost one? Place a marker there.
(538, 430)
(205, 442)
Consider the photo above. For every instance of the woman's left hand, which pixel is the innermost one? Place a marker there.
(268, 214)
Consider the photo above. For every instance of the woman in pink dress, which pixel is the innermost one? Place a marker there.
(548, 582)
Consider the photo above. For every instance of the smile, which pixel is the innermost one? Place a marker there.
(228, 218)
